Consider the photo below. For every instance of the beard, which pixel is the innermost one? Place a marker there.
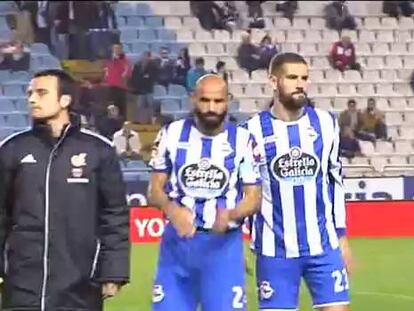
(292, 102)
(210, 121)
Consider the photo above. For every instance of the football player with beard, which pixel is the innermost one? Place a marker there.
(300, 229)
(205, 179)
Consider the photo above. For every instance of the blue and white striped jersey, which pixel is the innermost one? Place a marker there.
(303, 206)
(206, 172)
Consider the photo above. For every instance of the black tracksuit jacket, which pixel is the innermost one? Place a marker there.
(64, 220)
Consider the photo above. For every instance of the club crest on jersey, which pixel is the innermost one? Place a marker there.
(157, 293)
(203, 179)
(295, 166)
(265, 290)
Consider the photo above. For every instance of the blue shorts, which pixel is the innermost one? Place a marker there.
(278, 280)
(206, 270)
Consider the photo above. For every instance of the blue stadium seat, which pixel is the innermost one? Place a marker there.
(130, 176)
(234, 105)
(153, 22)
(5, 34)
(21, 105)
(144, 176)
(176, 90)
(186, 104)
(135, 21)
(129, 35)
(39, 48)
(51, 62)
(17, 120)
(5, 131)
(35, 63)
(4, 75)
(143, 9)
(125, 9)
(14, 90)
(6, 105)
(166, 35)
(3, 120)
(122, 22)
(136, 164)
(176, 47)
(140, 47)
(20, 76)
(159, 91)
(3, 23)
(170, 106)
(147, 35)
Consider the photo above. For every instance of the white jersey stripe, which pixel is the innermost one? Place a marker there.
(311, 217)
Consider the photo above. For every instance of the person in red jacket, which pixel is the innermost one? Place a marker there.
(342, 55)
(117, 73)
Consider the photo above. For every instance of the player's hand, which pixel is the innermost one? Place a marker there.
(221, 223)
(181, 218)
(110, 290)
(346, 254)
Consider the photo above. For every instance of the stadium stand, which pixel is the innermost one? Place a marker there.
(384, 47)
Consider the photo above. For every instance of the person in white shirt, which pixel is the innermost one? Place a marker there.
(127, 142)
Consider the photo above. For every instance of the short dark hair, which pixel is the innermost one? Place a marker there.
(285, 58)
(199, 61)
(351, 101)
(371, 99)
(220, 64)
(67, 85)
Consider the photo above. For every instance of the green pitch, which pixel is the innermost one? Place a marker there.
(383, 279)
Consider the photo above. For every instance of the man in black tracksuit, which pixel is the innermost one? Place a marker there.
(65, 217)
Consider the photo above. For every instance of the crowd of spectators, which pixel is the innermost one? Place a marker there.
(14, 56)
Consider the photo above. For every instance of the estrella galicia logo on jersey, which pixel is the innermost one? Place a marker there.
(265, 290)
(295, 166)
(203, 179)
(157, 293)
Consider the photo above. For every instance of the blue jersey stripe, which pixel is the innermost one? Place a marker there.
(299, 196)
(318, 148)
(199, 203)
(182, 153)
(270, 153)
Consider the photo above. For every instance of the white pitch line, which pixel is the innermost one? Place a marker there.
(391, 295)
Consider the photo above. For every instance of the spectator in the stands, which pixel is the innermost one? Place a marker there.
(166, 67)
(60, 30)
(350, 117)
(342, 55)
(143, 78)
(221, 71)
(209, 13)
(106, 16)
(288, 8)
(15, 57)
(349, 145)
(255, 12)
(195, 73)
(117, 72)
(110, 123)
(338, 17)
(182, 66)
(248, 54)
(397, 8)
(23, 28)
(372, 124)
(39, 12)
(127, 143)
(267, 51)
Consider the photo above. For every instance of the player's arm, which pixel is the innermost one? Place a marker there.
(161, 169)
(250, 175)
(335, 174)
(339, 210)
(181, 218)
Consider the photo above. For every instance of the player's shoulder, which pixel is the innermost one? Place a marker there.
(173, 127)
(251, 122)
(325, 115)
